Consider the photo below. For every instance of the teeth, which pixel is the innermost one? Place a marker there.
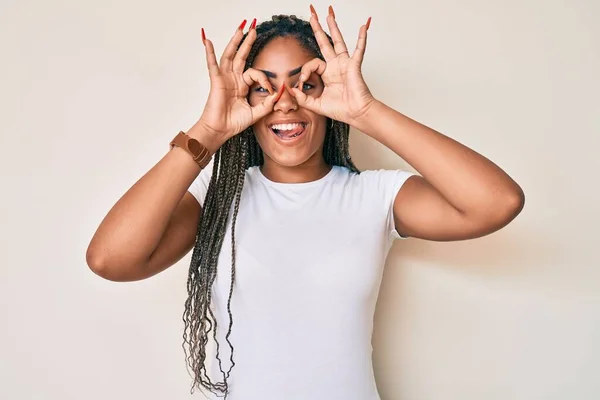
(286, 127)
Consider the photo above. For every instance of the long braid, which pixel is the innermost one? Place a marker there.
(224, 191)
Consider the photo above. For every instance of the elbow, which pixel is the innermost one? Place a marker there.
(499, 212)
(507, 210)
(101, 266)
(115, 268)
(515, 203)
(96, 263)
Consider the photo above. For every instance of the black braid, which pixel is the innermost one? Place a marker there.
(230, 164)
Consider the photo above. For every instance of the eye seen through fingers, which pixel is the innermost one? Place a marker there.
(305, 87)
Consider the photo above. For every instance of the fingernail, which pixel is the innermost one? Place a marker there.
(280, 92)
(203, 37)
(368, 23)
(253, 25)
(313, 12)
(242, 25)
(331, 12)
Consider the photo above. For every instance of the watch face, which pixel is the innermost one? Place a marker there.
(194, 147)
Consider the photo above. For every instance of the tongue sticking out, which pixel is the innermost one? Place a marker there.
(288, 133)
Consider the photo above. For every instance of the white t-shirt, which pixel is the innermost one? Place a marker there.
(309, 261)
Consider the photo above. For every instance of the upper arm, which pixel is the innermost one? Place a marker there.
(421, 211)
(179, 236)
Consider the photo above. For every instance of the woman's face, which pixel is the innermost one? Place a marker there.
(289, 136)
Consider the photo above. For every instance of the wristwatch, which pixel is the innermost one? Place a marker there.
(197, 150)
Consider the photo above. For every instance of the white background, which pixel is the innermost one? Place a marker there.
(91, 92)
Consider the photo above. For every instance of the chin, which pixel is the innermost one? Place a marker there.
(289, 160)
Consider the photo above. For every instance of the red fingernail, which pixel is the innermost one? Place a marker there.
(203, 37)
(313, 12)
(331, 12)
(368, 23)
(253, 25)
(242, 25)
(280, 92)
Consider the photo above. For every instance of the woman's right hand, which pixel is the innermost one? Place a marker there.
(227, 111)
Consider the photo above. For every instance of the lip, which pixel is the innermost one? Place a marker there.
(291, 141)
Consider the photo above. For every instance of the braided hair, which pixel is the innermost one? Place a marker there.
(239, 153)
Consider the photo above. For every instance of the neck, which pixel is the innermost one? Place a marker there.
(310, 170)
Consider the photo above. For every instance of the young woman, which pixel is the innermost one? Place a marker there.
(287, 234)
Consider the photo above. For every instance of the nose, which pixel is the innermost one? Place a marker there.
(286, 102)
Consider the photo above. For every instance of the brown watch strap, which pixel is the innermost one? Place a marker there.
(197, 150)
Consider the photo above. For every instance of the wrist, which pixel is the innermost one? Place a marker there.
(203, 134)
(367, 115)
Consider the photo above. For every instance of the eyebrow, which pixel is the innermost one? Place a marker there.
(274, 75)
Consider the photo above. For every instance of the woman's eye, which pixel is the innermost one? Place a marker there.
(305, 86)
(260, 89)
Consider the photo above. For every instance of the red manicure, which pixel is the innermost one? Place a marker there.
(331, 12)
(203, 37)
(368, 23)
(313, 12)
(242, 25)
(253, 25)
(280, 92)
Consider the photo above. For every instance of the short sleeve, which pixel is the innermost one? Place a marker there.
(199, 186)
(391, 182)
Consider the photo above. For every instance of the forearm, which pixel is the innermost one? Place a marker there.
(134, 226)
(466, 179)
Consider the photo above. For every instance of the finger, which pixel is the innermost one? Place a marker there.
(227, 57)
(308, 102)
(239, 60)
(322, 39)
(315, 65)
(252, 75)
(264, 108)
(211, 58)
(361, 45)
(339, 46)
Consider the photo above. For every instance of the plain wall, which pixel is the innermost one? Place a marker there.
(92, 92)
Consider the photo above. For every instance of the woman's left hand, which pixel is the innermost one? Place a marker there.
(345, 96)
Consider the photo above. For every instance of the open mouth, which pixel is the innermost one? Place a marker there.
(288, 131)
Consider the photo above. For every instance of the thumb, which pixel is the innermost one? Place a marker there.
(304, 101)
(264, 108)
